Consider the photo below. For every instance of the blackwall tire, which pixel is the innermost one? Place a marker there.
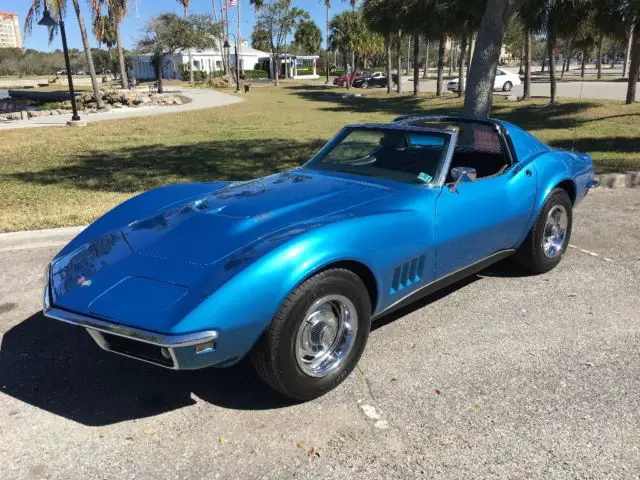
(317, 336)
(548, 239)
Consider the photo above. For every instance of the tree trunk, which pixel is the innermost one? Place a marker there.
(426, 61)
(416, 63)
(551, 45)
(276, 68)
(406, 70)
(521, 69)
(443, 41)
(87, 51)
(600, 45)
(353, 66)
(461, 58)
(544, 57)
(387, 51)
(124, 82)
(159, 70)
(348, 73)
(479, 94)
(399, 52)
(584, 62)
(327, 56)
(472, 49)
(526, 95)
(627, 55)
(451, 55)
(634, 69)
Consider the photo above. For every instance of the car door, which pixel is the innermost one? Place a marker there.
(500, 79)
(480, 218)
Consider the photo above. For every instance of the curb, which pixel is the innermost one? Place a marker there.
(619, 180)
(27, 240)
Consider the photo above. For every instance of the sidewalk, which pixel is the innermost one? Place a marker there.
(200, 99)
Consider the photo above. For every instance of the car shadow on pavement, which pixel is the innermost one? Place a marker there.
(59, 368)
(505, 269)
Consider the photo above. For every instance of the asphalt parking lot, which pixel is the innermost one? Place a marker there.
(500, 376)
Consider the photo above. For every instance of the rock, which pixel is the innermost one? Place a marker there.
(39, 113)
(616, 180)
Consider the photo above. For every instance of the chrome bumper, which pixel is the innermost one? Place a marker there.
(106, 335)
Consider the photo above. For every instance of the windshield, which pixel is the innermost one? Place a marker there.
(404, 156)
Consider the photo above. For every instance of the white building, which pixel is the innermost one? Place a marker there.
(208, 61)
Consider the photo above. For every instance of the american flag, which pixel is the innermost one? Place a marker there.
(231, 3)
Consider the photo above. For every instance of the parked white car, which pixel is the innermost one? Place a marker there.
(505, 81)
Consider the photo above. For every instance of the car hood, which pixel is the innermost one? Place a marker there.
(155, 269)
(206, 229)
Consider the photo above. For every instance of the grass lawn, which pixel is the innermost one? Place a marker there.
(52, 177)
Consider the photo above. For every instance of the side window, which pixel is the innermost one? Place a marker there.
(478, 146)
(499, 72)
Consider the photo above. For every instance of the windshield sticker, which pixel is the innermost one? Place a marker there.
(425, 177)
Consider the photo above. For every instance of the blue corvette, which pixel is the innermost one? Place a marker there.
(291, 269)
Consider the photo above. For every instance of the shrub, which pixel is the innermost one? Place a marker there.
(254, 74)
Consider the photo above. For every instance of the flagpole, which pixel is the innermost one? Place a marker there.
(239, 42)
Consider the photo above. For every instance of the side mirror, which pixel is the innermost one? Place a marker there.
(462, 174)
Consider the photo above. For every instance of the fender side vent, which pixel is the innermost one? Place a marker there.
(407, 274)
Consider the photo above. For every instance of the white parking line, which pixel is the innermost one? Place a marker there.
(589, 252)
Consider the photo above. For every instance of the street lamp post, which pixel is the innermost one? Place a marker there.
(48, 21)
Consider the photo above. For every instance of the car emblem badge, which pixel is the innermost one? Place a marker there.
(84, 282)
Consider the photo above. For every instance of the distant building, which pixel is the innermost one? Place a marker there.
(207, 61)
(210, 61)
(9, 31)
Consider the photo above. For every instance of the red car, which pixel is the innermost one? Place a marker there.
(341, 81)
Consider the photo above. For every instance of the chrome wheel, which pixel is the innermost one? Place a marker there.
(326, 335)
(555, 231)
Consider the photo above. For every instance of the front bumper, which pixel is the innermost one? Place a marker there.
(178, 352)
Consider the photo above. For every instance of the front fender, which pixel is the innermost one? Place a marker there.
(243, 307)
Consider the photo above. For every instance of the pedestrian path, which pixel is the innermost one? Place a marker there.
(200, 99)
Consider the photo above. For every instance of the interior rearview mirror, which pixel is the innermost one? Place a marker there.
(462, 174)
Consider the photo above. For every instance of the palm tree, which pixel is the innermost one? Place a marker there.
(116, 11)
(327, 4)
(59, 8)
(382, 16)
(185, 4)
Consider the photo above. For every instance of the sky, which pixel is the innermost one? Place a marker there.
(142, 10)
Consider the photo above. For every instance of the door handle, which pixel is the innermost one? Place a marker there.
(527, 172)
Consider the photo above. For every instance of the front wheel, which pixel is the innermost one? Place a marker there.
(365, 85)
(317, 337)
(548, 239)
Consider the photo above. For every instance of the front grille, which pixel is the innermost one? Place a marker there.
(137, 349)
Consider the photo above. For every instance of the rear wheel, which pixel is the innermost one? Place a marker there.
(507, 86)
(317, 337)
(365, 85)
(548, 239)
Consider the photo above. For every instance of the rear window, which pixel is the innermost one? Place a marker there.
(472, 136)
